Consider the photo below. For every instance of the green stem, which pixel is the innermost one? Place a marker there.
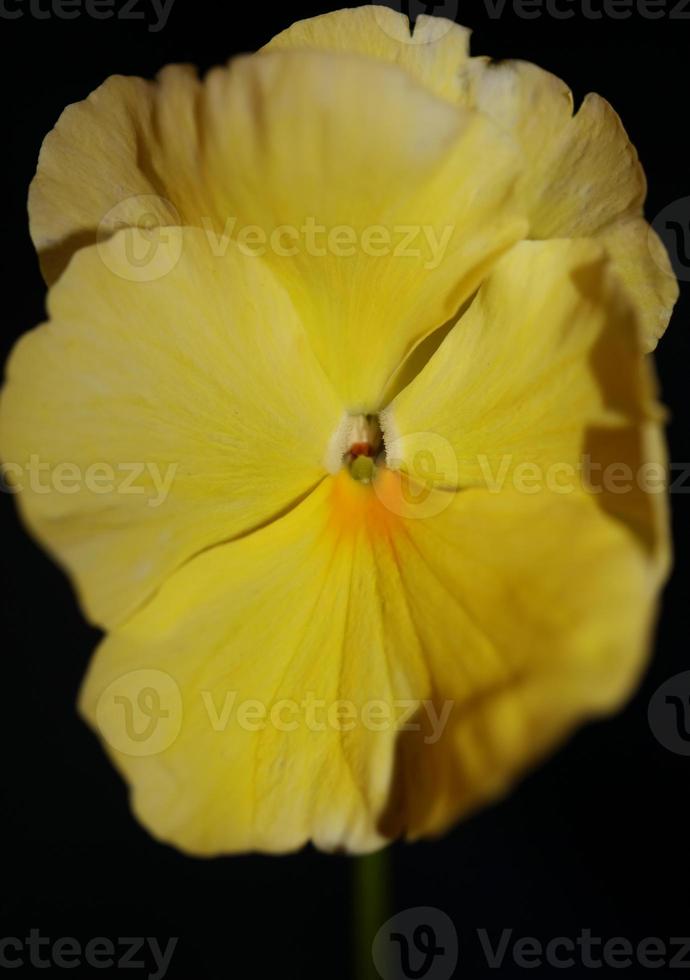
(371, 897)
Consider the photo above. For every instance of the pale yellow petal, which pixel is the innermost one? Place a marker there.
(381, 215)
(642, 262)
(434, 52)
(165, 415)
(583, 171)
(583, 176)
(125, 156)
(435, 179)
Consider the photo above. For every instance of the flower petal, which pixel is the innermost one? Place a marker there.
(583, 176)
(436, 179)
(434, 52)
(546, 355)
(126, 156)
(380, 215)
(534, 612)
(353, 672)
(651, 284)
(583, 171)
(190, 405)
(285, 652)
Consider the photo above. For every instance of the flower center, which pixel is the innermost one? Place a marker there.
(365, 447)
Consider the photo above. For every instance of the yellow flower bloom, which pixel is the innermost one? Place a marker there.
(342, 440)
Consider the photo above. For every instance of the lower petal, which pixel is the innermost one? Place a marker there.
(279, 659)
(354, 672)
(534, 614)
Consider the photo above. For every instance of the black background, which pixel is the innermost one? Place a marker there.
(596, 838)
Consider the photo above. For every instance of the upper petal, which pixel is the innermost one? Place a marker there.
(582, 177)
(434, 52)
(190, 404)
(583, 171)
(127, 155)
(380, 214)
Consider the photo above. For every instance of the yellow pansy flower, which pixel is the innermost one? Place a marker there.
(346, 355)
